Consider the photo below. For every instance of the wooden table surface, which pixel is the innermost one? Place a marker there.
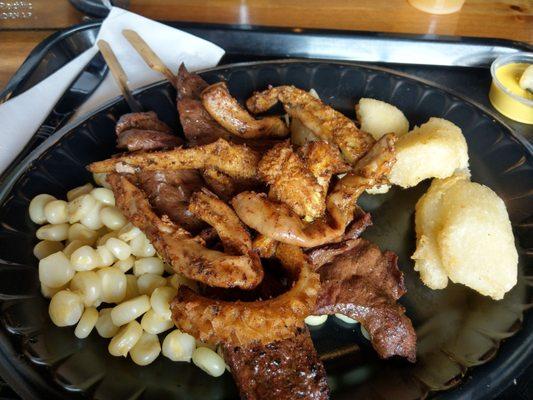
(24, 23)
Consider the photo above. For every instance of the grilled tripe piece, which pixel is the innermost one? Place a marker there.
(237, 161)
(277, 221)
(323, 121)
(240, 323)
(187, 255)
(227, 111)
(285, 369)
(363, 283)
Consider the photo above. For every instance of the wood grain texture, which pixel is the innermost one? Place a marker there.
(508, 19)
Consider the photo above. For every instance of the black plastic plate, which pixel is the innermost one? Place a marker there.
(457, 328)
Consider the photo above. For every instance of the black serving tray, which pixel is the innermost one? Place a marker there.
(463, 70)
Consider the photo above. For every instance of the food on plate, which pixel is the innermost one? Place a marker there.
(237, 161)
(323, 121)
(464, 234)
(276, 220)
(435, 149)
(186, 253)
(526, 79)
(361, 282)
(227, 111)
(378, 118)
(284, 369)
(241, 323)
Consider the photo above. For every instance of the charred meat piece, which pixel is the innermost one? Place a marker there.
(139, 139)
(285, 369)
(237, 161)
(277, 221)
(187, 255)
(240, 323)
(227, 111)
(323, 121)
(169, 193)
(143, 121)
(364, 284)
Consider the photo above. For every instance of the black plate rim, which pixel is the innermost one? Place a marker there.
(519, 355)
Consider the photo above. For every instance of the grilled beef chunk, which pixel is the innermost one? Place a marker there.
(141, 120)
(286, 369)
(360, 281)
(169, 193)
(138, 139)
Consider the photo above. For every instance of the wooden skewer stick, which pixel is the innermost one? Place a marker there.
(148, 55)
(118, 74)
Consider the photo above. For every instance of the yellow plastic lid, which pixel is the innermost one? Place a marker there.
(505, 94)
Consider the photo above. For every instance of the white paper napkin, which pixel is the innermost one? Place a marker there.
(21, 116)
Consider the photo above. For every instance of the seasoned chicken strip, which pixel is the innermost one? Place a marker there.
(219, 215)
(220, 183)
(277, 221)
(227, 111)
(240, 323)
(176, 246)
(323, 121)
(237, 161)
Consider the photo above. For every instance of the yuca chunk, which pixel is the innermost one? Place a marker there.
(436, 149)
(476, 241)
(379, 118)
(428, 213)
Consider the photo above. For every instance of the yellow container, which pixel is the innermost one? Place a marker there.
(505, 94)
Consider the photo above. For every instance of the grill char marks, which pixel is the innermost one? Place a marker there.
(286, 369)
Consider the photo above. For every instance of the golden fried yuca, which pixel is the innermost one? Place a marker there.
(464, 234)
(436, 149)
(428, 212)
(378, 118)
(476, 241)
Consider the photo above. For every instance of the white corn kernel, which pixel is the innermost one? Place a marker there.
(78, 191)
(87, 322)
(101, 179)
(55, 270)
(85, 259)
(148, 265)
(130, 310)
(125, 339)
(80, 232)
(54, 233)
(36, 208)
(104, 325)
(106, 257)
(113, 284)
(128, 232)
(49, 292)
(89, 287)
(72, 247)
(141, 246)
(102, 240)
(80, 206)
(92, 218)
(208, 361)
(55, 212)
(146, 350)
(131, 287)
(112, 218)
(154, 323)
(126, 264)
(147, 283)
(178, 346)
(315, 320)
(346, 319)
(45, 248)
(118, 248)
(104, 196)
(65, 308)
(160, 300)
